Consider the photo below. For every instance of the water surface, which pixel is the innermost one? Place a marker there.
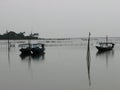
(62, 67)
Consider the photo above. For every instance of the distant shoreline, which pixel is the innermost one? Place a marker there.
(83, 38)
(11, 35)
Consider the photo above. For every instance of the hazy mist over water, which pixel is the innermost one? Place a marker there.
(65, 65)
(61, 18)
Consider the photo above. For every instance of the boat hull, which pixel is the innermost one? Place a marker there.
(33, 51)
(37, 50)
(102, 49)
(25, 51)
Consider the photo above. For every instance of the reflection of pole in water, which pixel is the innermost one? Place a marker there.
(88, 59)
(106, 60)
(43, 56)
(105, 55)
(29, 65)
(29, 62)
(9, 56)
(8, 50)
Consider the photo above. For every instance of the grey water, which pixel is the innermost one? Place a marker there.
(62, 67)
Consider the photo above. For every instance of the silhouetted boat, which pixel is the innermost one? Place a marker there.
(36, 48)
(105, 46)
(33, 56)
(32, 49)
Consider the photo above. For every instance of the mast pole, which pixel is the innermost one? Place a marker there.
(106, 40)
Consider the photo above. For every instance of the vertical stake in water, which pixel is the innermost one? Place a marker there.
(8, 41)
(106, 40)
(88, 59)
(29, 42)
(8, 49)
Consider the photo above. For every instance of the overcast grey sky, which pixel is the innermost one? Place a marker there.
(61, 18)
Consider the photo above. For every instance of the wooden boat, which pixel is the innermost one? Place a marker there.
(36, 49)
(32, 48)
(105, 46)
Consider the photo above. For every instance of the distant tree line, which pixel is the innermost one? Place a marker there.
(17, 36)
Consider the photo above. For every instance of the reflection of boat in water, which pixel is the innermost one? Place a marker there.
(106, 56)
(108, 53)
(33, 57)
(32, 49)
(105, 46)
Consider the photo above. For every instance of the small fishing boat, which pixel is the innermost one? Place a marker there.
(32, 48)
(36, 48)
(105, 46)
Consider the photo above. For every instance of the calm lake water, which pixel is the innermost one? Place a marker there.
(62, 67)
